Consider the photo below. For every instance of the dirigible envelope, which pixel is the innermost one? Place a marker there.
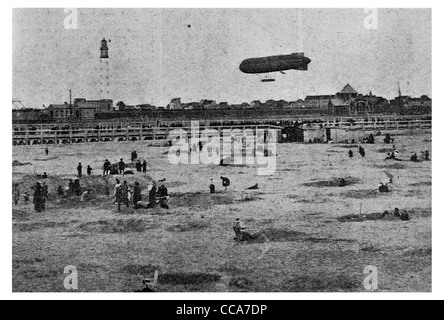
(295, 61)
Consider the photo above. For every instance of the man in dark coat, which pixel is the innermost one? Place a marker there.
(121, 167)
(37, 197)
(162, 195)
(144, 164)
(79, 170)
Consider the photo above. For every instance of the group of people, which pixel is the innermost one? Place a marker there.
(120, 167)
(404, 216)
(425, 155)
(89, 170)
(225, 184)
(125, 194)
(361, 152)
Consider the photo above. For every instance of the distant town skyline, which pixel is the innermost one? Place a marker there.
(160, 54)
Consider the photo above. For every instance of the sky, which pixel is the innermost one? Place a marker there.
(194, 54)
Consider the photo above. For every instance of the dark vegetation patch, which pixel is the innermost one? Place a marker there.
(189, 226)
(367, 217)
(413, 213)
(188, 278)
(145, 271)
(16, 163)
(116, 226)
(324, 282)
(278, 235)
(28, 227)
(361, 194)
(392, 166)
(250, 198)
(422, 184)
(325, 240)
(419, 253)
(21, 215)
(385, 150)
(334, 182)
(230, 268)
(241, 283)
(346, 146)
(198, 200)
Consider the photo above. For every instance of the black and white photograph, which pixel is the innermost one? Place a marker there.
(221, 150)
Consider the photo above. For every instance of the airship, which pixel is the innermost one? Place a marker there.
(295, 61)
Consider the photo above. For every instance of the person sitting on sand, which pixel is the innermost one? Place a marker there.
(427, 156)
(255, 187)
(350, 154)
(414, 158)
(383, 188)
(239, 228)
(85, 196)
(241, 233)
(162, 196)
(342, 183)
(397, 213)
(405, 216)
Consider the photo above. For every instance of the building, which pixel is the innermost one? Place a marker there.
(28, 115)
(146, 107)
(338, 107)
(175, 104)
(70, 112)
(300, 104)
(318, 102)
(100, 106)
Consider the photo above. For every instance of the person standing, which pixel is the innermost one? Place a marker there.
(152, 201)
(45, 196)
(122, 195)
(137, 196)
(77, 188)
(212, 187)
(350, 154)
(47, 151)
(116, 190)
(79, 170)
(138, 166)
(37, 197)
(71, 188)
(121, 167)
(106, 168)
(144, 165)
(89, 170)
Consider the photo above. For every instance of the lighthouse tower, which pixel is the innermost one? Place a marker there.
(104, 70)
